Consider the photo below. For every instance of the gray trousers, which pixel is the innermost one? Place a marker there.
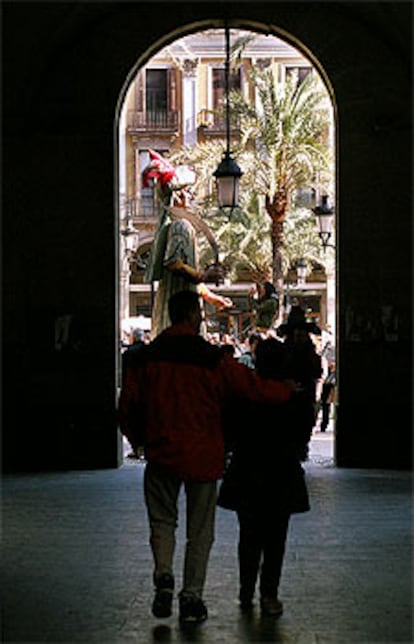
(161, 491)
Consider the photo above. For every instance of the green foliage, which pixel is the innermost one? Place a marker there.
(286, 134)
(282, 146)
(302, 240)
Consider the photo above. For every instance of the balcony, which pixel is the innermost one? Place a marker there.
(140, 209)
(212, 124)
(166, 121)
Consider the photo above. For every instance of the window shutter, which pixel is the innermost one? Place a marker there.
(140, 97)
(172, 89)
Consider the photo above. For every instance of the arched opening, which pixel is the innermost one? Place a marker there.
(170, 100)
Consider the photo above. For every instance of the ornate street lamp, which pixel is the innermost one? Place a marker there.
(301, 269)
(325, 215)
(131, 237)
(127, 256)
(228, 172)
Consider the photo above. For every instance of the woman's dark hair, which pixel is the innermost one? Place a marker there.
(297, 317)
(271, 359)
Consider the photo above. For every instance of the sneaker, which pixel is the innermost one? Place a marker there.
(164, 591)
(192, 610)
(271, 606)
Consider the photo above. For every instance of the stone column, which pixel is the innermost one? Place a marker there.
(124, 277)
(189, 102)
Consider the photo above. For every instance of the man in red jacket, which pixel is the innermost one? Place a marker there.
(172, 402)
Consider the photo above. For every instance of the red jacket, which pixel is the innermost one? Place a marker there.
(172, 402)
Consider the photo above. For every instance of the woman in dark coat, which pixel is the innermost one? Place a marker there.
(304, 366)
(265, 484)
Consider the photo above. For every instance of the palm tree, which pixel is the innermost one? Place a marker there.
(285, 141)
(282, 147)
(301, 240)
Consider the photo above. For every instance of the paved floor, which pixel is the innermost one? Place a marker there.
(77, 565)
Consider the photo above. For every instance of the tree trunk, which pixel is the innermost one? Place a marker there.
(277, 273)
(277, 209)
(277, 245)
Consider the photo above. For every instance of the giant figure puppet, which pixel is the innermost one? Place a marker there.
(174, 261)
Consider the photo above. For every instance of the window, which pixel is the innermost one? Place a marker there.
(156, 96)
(302, 73)
(219, 85)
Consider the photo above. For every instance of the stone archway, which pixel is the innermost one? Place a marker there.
(59, 205)
(189, 67)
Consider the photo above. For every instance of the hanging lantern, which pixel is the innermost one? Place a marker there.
(227, 177)
(325, 216)
(228, 172)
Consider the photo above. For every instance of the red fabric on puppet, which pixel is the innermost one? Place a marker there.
(158, 168)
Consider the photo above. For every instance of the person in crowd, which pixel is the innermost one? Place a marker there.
(263, 299)
(304, 365)
(128, 358)
(174, 255)
(249, 356)
(132, 349)
(228, 347)
(264, 484)
(297, 320)
(327, 396)
(172, 403)
(327, 344)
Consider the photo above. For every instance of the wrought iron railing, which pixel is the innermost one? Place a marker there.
(143, 207)
(153, 120)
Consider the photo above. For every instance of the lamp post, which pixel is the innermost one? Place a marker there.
(325, 215)
(130, 237)
(228, 172)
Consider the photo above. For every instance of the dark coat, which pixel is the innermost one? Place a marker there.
(265, 473)
(130, 356)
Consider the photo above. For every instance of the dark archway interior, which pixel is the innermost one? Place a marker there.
(64, 65)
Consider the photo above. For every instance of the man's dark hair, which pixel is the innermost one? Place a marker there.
(181, 305)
